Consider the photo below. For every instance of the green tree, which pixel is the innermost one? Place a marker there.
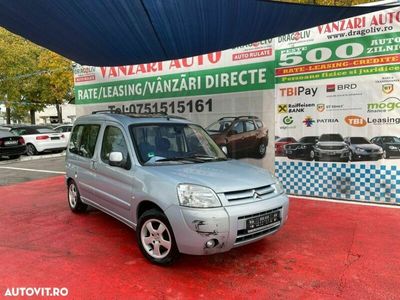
(31, 77)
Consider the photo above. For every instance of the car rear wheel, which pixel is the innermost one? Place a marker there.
(262, 149)
(74, 198)
(30, 150)
(155, 238)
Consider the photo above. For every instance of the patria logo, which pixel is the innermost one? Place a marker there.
(308, 121)
(287, 120)
(387, 105)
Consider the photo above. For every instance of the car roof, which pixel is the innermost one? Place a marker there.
(129, 119)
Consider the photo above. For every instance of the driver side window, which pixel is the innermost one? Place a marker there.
(113, 141)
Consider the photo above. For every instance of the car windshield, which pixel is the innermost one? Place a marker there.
(308, 139)
(166, 143)
(359, 140)
(219, 126)
(391, 139)
(331, 138)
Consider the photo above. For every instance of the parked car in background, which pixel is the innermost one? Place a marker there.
(65, 129)
(11, 145)
(331, 147)
(40, 139)
(165, 177)
(244, 136)
(362, 149)
(389, 144)
(280, 144)
(303, 149)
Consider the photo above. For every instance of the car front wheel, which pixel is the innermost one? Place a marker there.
(74, 198)
(155, 238)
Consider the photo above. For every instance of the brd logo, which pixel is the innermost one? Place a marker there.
(355, 121)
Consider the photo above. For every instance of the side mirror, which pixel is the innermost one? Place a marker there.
(116, 159)
(224, 149)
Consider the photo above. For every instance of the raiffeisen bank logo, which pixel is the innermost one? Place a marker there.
(308, 121)
(388, 105)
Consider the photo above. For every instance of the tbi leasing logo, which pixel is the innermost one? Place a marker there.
(355, 121)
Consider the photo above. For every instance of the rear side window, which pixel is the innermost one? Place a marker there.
(250, 126)
(83, 140)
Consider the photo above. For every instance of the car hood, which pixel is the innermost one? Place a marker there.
(224, 176)
(366, 146)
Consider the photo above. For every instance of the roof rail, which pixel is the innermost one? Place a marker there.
(143, 115)
(240, 117)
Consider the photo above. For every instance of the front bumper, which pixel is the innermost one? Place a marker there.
(367, 156)
(194, 227)
(331, 154)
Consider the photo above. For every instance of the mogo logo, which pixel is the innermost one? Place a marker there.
(355, 121)
(387, 105)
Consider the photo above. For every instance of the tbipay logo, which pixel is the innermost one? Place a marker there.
(387, 105)
(298, 91)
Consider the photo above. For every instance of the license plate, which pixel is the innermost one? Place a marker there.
(55, 138)
(261, 222)
(332, 153)
(10, 143)
(289, 151)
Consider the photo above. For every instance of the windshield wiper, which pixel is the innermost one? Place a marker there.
(182, 158)
(208, 157)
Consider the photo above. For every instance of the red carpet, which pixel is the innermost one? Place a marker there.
(326, 251)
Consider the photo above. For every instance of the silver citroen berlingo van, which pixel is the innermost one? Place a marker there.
(167, 179)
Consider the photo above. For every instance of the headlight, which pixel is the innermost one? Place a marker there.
(191, 195)
(392, 148)
(303, 147)
(278, 187)
(360, 149)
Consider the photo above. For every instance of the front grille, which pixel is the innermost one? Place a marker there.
(331, 147)
(250, 193)
(255, 235)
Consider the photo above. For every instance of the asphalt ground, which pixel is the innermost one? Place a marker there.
(31, 168)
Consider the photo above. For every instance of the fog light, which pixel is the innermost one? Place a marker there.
(211, 243)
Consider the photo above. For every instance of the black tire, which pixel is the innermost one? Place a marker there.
(166, 256)
(15, 156)
(262, 149)
(385, 155)
(351, 157)
(311, 155)
(30, 150)
(76, 205)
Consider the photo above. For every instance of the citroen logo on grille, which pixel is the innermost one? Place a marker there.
(256, 196)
